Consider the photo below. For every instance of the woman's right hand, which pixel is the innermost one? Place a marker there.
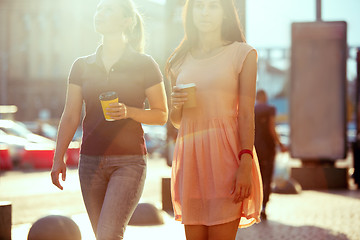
(58, 167)
(178, 98)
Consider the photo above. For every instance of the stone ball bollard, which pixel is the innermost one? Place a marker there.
(146, 214)
(286, 186)
(54, 227)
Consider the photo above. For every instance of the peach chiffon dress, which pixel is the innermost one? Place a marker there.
(208, 142)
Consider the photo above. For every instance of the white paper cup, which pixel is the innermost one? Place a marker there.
(190, 89)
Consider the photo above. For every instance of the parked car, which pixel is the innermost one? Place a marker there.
(42, 128)
(15, 145)
(25, 147)
(5, 160)
(49, 131)
(18, 129)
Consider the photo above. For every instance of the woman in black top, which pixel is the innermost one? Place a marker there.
(112, 158)
(266, 140)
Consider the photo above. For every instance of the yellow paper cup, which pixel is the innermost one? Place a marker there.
(106, 98)
(190, 89)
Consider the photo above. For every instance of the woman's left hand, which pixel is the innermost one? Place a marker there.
(117, 111)
(242, 182)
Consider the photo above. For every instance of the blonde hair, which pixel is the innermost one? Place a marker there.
(135, 33)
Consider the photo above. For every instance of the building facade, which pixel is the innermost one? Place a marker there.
(40, 39)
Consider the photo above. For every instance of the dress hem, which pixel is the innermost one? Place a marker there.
(253, 217)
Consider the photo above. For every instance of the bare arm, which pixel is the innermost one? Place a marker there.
(275, 135)
(247, 102)
(177, 101)
(156, 115)
(247, 79)
(69, 122)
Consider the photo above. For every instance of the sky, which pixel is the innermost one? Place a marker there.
(269, 21)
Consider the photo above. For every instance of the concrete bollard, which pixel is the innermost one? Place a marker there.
(166, 195)
(5, 220)
(54, 227)
(146, 214)
(321, 177)
(286, 186)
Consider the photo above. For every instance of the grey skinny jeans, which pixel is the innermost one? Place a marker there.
(111, 187)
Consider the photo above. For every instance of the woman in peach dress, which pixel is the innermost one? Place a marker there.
(216, 184)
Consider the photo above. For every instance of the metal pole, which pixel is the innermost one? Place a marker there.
(357, 93)
(357, 160)
(3, 79)
(318, 10)
(356, 144)
(4, 58)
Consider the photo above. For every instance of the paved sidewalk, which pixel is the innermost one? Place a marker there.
(310, 215)
(323, 215)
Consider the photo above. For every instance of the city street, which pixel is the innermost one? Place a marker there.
(33, 195)
(277, 75)
(310, 215)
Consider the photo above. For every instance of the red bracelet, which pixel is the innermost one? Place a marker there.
(244, 151)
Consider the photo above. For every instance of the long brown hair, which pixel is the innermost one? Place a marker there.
(230, 31)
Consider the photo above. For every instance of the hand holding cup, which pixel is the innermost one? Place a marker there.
(184, 95)
(113, 110)
(178, 98)
(117, 111)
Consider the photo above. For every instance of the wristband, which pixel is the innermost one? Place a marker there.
(244, 151)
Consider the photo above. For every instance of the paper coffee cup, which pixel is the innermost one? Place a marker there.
(106, 98)
(190, 89)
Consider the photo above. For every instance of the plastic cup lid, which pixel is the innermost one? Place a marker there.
(107, 95)
(188, 85)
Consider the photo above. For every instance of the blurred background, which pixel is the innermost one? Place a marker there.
(40, 39)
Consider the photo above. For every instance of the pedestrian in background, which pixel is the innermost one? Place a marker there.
(112, 164)
(266, 140)
(216, 183)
